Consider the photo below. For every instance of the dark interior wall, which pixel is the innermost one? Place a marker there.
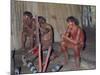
(89, 16)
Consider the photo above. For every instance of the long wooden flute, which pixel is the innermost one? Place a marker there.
(39, 45)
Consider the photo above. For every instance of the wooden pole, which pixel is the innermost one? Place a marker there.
(47, 59)
(39, 45)
(40, 58)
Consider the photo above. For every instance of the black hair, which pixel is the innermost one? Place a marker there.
(73, 19)
(41, 17)
(28, 14)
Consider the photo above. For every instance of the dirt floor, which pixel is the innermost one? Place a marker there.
(88, 57)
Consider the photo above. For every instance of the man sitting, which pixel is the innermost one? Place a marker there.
(28, 29)
(73, 38)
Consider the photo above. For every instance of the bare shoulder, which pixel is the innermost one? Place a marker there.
(80, 29)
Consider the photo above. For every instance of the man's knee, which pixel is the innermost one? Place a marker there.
(63, 46)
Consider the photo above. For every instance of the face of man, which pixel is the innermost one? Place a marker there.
(26, 19)
(41, 21)
(71, 23)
